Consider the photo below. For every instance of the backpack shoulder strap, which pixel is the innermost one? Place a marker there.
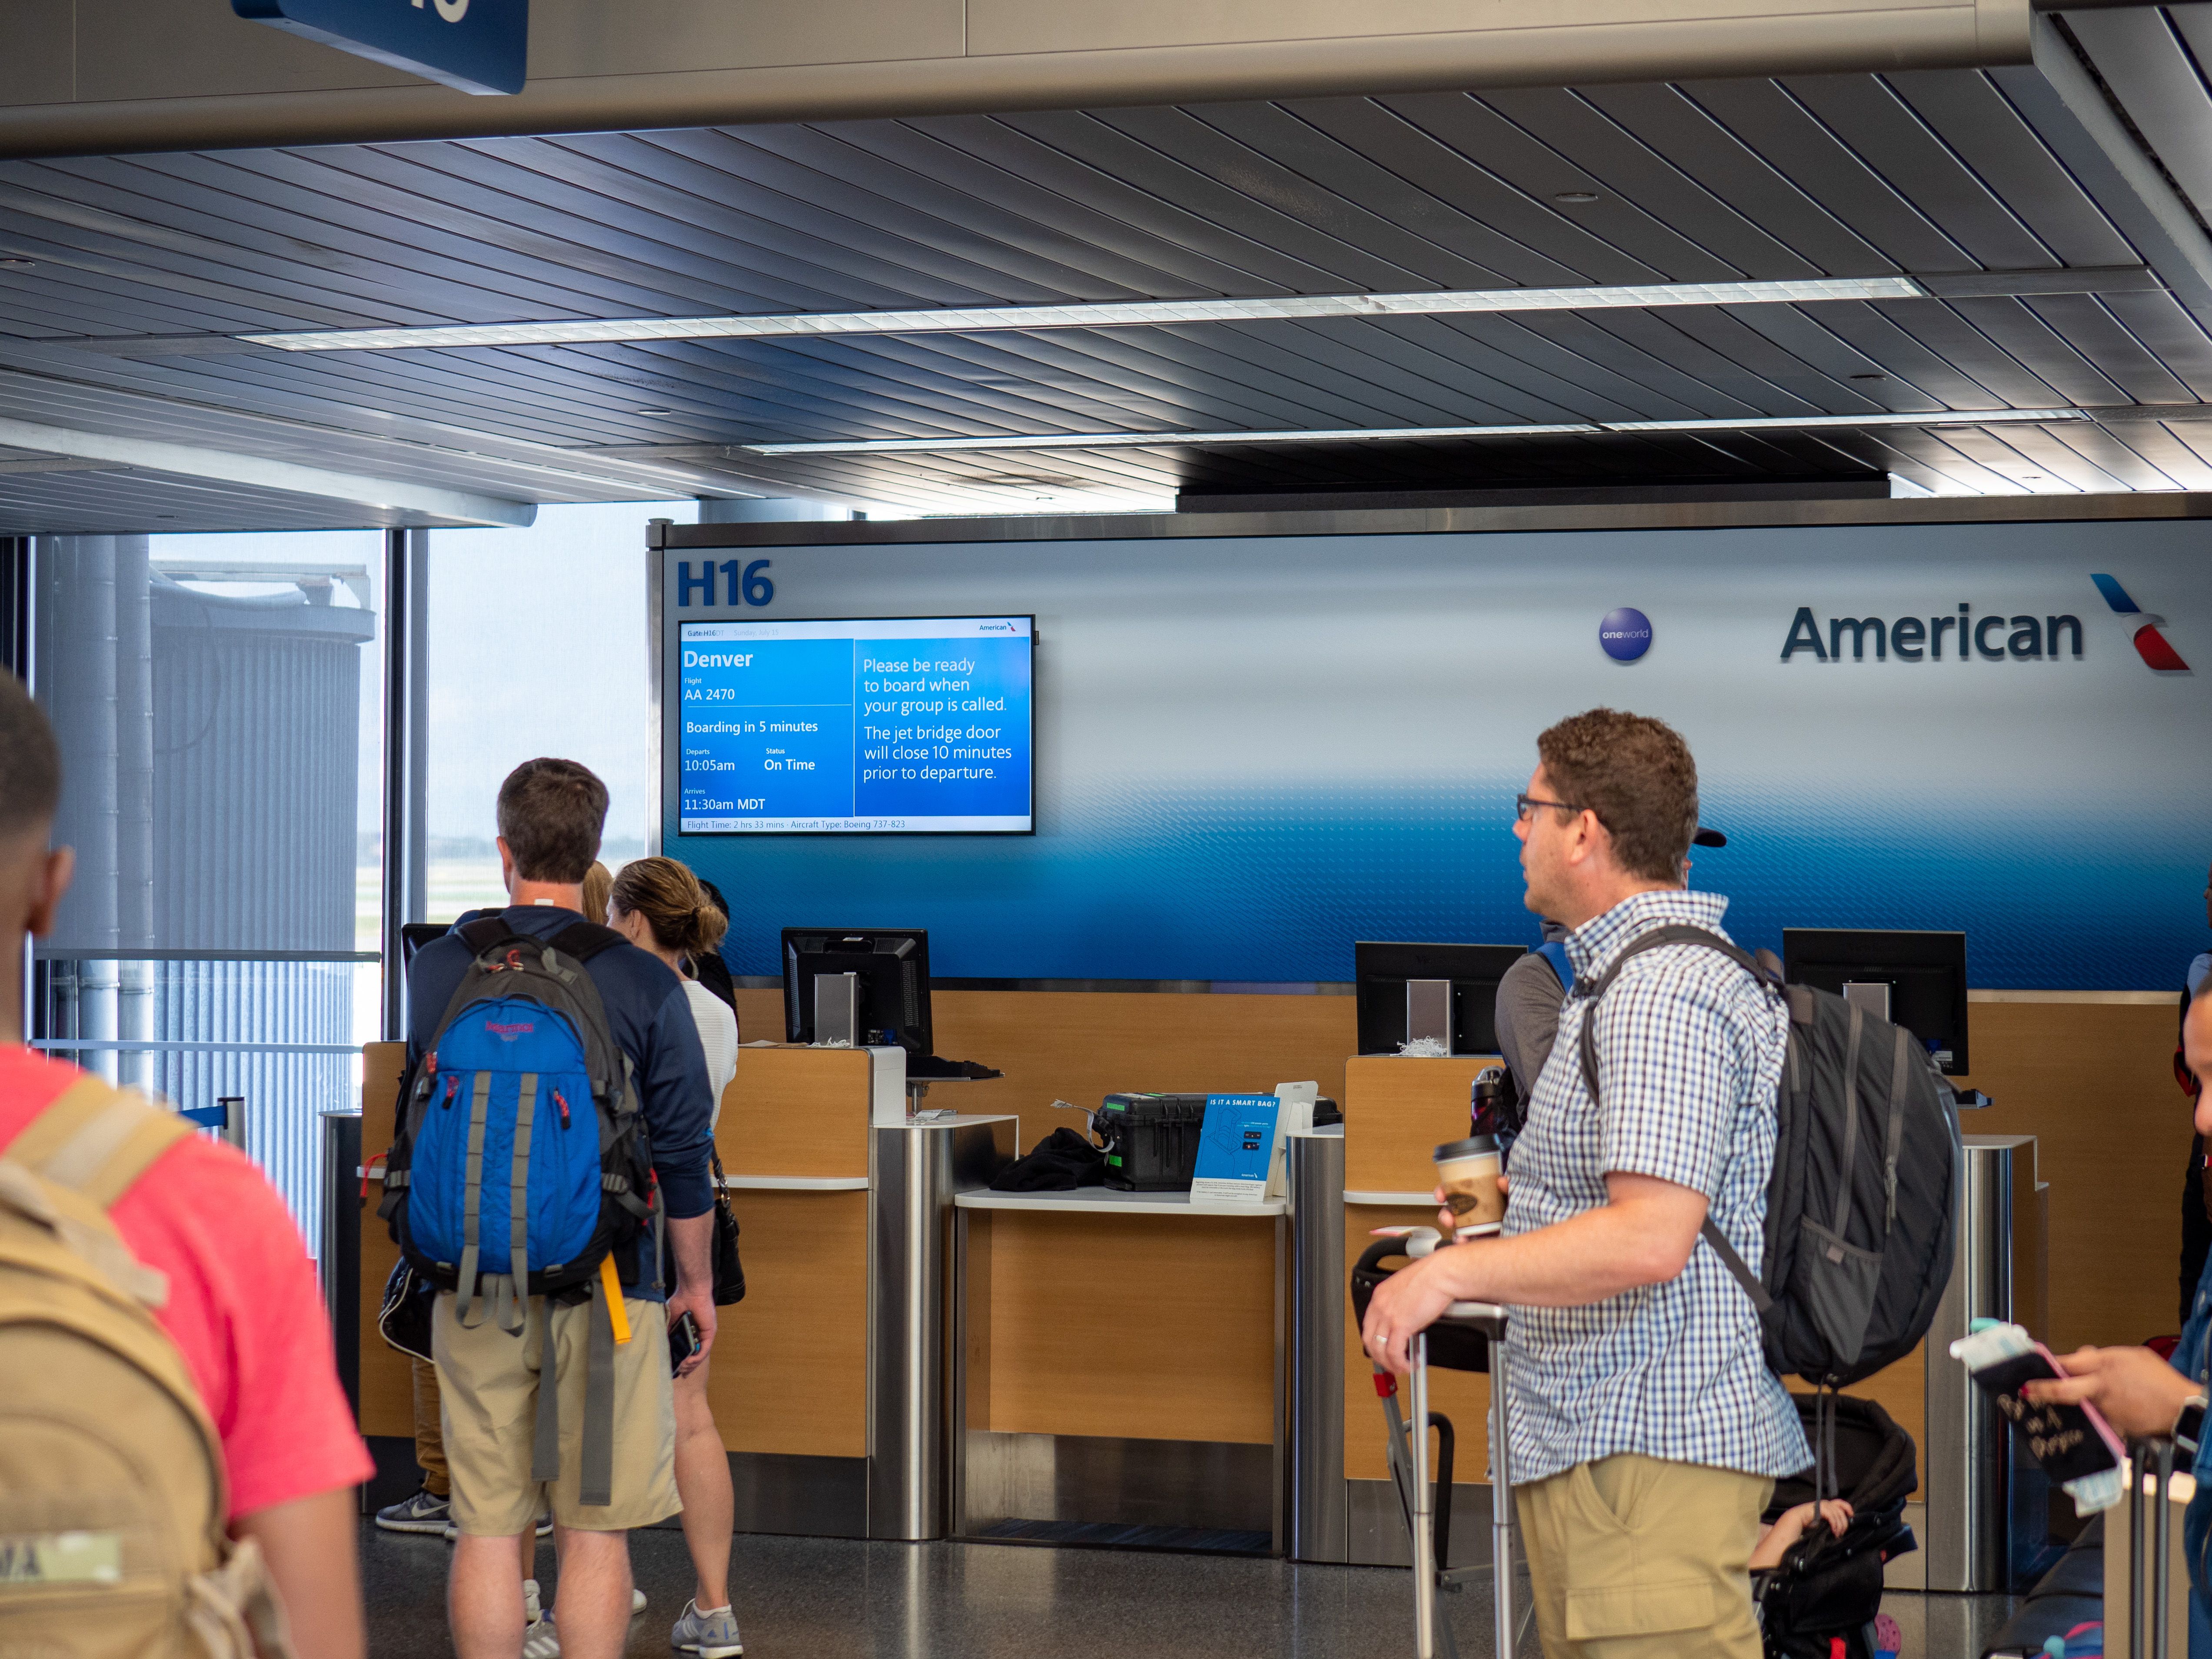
(96, 1140)
(1562, 965)
(1679, 933)
(483, 932)
(584, 939)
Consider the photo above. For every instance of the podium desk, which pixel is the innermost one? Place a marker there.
(827, 1380)
(1117, 1369)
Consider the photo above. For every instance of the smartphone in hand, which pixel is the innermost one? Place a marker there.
(682, 1342)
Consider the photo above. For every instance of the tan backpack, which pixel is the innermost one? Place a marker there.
(113, 1503)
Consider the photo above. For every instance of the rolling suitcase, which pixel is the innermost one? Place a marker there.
(1467, 1336)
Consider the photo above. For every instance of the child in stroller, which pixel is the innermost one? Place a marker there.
(1817, 1573)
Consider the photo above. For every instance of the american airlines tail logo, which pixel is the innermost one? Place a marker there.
(2154, 647)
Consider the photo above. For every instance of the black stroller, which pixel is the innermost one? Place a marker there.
(1828, 1589)
(1467, 1337)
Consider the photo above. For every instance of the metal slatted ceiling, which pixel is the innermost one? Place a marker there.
(1930, 171)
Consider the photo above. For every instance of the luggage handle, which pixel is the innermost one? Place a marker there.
(2140, 1455)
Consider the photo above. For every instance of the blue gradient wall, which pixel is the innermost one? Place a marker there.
(1252, 752)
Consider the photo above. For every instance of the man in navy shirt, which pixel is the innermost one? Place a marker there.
(550, 814)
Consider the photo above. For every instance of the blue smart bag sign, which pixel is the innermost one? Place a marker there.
(480, 47)
(913, 725)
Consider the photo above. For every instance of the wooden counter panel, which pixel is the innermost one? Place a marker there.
(1464, 1396)
(790, 1367)
(796, 1112)
(387, 1385)
(1397, 1112)
(2094, 1083)
(1127, 1327)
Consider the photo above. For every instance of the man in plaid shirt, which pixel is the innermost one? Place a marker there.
(1646, 1429)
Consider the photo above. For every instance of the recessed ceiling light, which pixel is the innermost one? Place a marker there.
(1877, 376)
(1112, 314)
(1576, 197)
(15, 262)
(653, 411)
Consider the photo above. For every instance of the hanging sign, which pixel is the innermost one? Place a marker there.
(478, 46)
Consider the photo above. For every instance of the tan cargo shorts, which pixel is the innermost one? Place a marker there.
(488, 1382)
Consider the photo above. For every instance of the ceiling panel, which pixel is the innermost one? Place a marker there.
(1837, 175)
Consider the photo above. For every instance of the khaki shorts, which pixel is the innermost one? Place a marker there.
(488, 1382)
(1634, 1558)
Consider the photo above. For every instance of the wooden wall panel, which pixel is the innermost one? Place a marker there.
(1140, 1327)
(790, 1368)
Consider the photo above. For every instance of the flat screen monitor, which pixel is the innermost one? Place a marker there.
(1382, 970)
(891, 970)
(888, 726)
(1921, 975)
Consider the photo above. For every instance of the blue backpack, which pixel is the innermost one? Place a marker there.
(520, 1164)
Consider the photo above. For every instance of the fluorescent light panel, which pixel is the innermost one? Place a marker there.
(1130, 314)
(1414, 433)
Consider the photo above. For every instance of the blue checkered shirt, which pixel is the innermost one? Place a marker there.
(1689, 1052)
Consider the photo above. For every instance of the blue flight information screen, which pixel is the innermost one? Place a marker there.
(908, 725)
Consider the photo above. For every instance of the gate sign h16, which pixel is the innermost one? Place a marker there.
(473, 46)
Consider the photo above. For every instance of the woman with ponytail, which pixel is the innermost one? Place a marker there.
(659, 905)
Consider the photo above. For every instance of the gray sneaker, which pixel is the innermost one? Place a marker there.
(540, 1640)
(709, 1635)
(421, 1513)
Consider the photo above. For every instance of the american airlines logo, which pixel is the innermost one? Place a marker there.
(2143, 628)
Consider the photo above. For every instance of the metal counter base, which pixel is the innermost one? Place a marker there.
(1205, 1495)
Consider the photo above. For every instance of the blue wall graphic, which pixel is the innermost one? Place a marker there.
(1250, 753)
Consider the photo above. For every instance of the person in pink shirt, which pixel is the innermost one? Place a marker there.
(244, 1309)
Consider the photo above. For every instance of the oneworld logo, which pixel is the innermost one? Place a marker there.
(2143, 628)
(1625, 634)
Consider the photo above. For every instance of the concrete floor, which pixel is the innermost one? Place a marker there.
(816, 1598)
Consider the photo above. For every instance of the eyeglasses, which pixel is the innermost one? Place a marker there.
(1524, 807)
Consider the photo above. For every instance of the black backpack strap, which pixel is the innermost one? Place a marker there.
(1590, 991)
(584, 939)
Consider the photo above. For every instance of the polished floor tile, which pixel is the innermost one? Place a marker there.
(813, 1598)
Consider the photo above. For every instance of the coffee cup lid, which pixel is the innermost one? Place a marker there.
(1473, 1146)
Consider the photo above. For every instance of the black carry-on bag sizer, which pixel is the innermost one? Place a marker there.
(1468, 1336)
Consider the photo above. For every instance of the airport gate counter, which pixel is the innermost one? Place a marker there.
(921, 1356)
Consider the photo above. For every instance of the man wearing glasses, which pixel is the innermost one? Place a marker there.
(1644, 1423)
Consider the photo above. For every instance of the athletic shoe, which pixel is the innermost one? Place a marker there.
(421, 1513)
(532, 1611)
(710, 1635)
(453, 1530)
(540, 1640)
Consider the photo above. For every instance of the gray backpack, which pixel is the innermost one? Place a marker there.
(1860, 1203)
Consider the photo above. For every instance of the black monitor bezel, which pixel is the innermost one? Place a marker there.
(1375, 971)
(1872, 949)
(798, 1014)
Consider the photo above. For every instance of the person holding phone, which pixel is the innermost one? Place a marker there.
(2140, 1394)
(659, 905)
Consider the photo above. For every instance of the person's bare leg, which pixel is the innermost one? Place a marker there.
(483, 1597)
(592, 1604)
(703, 1481)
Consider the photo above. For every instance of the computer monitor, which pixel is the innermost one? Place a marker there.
(892, 970)
(413, 935)
(1382, 968)
(1922, 977)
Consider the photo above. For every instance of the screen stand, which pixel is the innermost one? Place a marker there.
(1428, 1011)
(1871, 994)
(837, 1011)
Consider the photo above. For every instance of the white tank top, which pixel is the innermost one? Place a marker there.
(718, 1036)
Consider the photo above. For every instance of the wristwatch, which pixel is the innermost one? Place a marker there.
(2189, 1426)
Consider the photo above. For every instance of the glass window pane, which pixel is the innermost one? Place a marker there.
(219, 703)
(537, 647)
